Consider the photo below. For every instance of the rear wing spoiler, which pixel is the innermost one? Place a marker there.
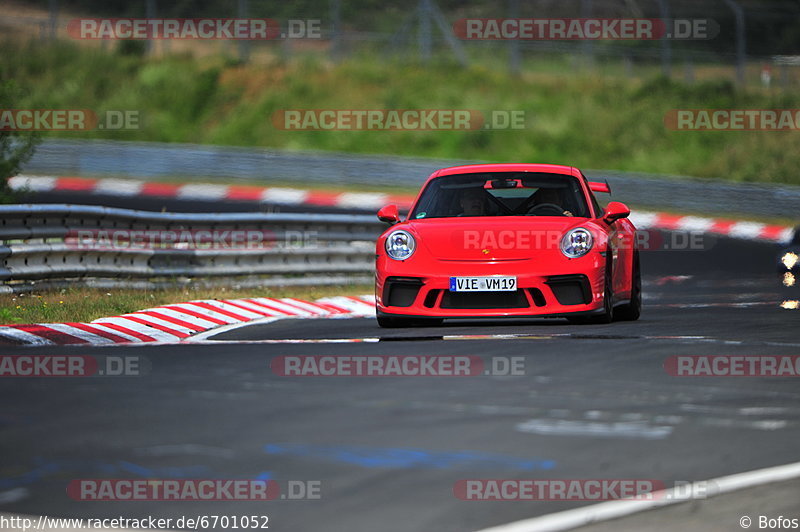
(596, 186)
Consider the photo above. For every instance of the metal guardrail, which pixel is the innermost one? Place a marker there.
(50, 242)
(140, 160)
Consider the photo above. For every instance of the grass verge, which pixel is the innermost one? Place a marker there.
(86, 304)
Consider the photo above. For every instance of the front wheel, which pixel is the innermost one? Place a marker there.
(633, 310)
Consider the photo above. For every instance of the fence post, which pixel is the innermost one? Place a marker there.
(244, 46)
(666, 45)
(149, 12)
(336, 21)
(688, 71)
(738, 12)
(424, 30)
(587, 46)
(53, 18)
(514, 44)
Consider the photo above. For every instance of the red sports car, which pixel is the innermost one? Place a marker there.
(507, 240)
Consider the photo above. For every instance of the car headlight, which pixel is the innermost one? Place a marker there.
(400, 245)
(577, 243)
(789, 260)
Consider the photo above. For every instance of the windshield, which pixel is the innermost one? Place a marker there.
(502, 194)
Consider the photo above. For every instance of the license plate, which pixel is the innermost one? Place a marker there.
(483, 284)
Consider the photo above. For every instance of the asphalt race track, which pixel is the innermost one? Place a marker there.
(594, 402)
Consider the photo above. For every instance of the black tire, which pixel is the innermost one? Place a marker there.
(633, 310)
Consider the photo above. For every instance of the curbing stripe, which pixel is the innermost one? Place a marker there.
(155, 323)
(245, 305)
(191, 310)
(20, 337)
(189, 321)
(274, 310)
(127, 335)
(233, 310)
(183, 313)
(362, 200)
(56, 337)
(144, 332)
(305, 305)
(167, 316)
(208, 308)
(282, 307)
(79, 332)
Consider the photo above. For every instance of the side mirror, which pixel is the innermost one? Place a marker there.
(614, 211)
(389, 214)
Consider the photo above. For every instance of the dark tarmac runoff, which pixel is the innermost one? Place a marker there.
(593, 402)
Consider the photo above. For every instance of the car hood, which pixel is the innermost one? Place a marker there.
(488, 239)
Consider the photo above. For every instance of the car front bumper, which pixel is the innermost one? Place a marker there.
(567, 287)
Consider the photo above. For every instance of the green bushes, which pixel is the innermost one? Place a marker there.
(588, 120)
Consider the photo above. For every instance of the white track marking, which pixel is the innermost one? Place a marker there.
(284, 195)
(695, 223)
(14, 495)
(119, 187)
(748, 230)
(200, 191)
(361, 200)
(595, 429)
(33, 183)
(605, 511)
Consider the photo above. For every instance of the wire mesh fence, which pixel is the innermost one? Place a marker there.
(751, 43)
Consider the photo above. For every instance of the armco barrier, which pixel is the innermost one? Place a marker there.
(38, 242)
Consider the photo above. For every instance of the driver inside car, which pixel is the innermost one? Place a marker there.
(549, 196)
(473, 202)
